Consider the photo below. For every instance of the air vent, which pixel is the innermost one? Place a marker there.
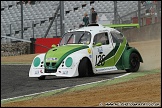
(53, 64)
(47, 63)
(54, 49)
(50, 70)
(93, 24)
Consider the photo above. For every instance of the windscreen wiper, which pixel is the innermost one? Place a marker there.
(69, 38)
(81, 37)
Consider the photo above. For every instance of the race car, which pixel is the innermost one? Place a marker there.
(87, 51)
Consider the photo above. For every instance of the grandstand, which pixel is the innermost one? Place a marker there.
(38, 16)
(42, 12)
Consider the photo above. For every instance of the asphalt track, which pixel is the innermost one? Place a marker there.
(15, 81)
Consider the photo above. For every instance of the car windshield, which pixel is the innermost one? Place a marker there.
(76, 37)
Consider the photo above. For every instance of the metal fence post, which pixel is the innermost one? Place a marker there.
(32, 45)
(115, 12)
(58, 8)
(56, 25)
(33, 28)
(22, 28)
(10, 30)
(62, 17)
(139, 13)
(158, 10)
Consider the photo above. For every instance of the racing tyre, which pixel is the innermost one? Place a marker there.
(134, 61)
(84, 68)
(41, 77)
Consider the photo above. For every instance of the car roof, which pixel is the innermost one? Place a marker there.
(95, 29)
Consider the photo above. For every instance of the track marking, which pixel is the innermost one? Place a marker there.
(122, 75)
(64, 88)
(33, 94)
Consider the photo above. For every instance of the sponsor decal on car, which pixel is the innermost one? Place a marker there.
(103, 30)
(89, 50)
(107, 68)
(90, 56)
(65, 72)
(41, 71)
(54, 59)
(100, 50)
(37, 72)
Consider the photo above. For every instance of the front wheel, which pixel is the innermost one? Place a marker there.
(134, 61)
(41, 78)
(85, 68)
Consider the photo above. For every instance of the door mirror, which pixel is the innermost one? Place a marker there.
(98, 44)
(107, 41)
(53, 46)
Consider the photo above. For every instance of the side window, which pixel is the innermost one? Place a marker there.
(101, 38)
(120, 37)
(117, 37)
(113, 37)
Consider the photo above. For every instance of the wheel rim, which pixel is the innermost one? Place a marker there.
(134, 62)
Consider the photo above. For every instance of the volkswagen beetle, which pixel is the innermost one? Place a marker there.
(87, 51)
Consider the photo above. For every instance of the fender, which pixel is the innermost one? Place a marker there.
(73, 69)
(79, 58)
(37, 66)
(126, 55)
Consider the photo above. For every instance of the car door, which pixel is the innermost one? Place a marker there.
(102, 46)
(120, 44)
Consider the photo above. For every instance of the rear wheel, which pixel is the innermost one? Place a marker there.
(134, 61)
(41, 78)
(85, 68)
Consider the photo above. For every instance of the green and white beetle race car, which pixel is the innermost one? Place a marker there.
(87, 51)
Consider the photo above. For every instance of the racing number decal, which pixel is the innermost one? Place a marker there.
(100, 58)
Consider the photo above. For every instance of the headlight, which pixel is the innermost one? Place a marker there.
(68, 62)
(36, 61)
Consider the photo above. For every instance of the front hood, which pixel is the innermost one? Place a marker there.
(55, 56)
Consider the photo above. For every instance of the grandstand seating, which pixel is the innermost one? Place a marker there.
(41, 12)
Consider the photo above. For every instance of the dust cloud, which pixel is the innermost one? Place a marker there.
(150, 52)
